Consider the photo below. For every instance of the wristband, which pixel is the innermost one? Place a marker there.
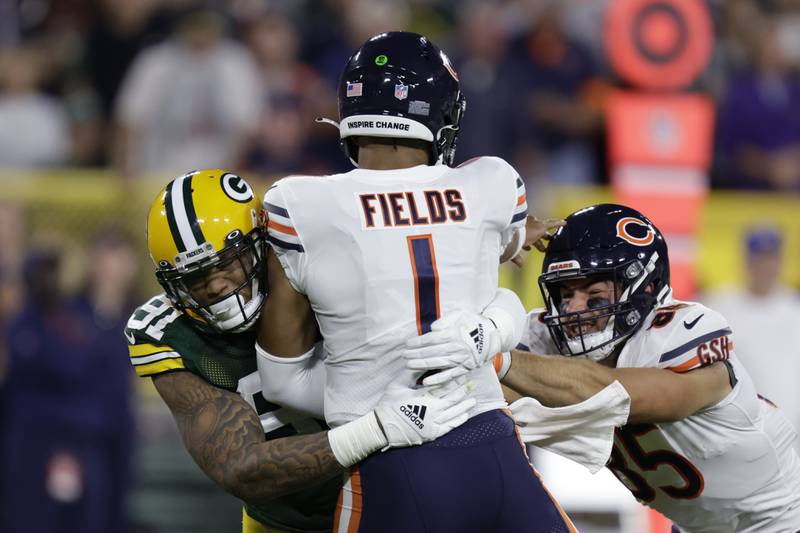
(502, 364)
(355, 440)
(504, 323)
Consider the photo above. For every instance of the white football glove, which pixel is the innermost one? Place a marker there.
(403, 417)
(412, 416)
(456, 344)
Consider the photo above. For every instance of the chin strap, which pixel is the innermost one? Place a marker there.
(648, 268)
(326, 120)
(330, 121)
(439, 160)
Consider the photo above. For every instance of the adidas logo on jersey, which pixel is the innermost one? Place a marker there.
(415, 413)
(477, 337)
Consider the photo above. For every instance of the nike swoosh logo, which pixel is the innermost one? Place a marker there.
(130, 337)
(690, 325)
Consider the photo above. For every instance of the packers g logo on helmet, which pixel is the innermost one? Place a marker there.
(202, 222)
(236, 188)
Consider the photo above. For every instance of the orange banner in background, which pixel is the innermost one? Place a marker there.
(674, 130)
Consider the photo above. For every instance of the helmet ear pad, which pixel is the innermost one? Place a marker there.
(641, 302)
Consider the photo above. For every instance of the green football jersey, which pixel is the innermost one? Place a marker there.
(162, 339)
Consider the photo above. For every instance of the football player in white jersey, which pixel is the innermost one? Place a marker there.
(371, 258)
(196, 342)
(710, 455)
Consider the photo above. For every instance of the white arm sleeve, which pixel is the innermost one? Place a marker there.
(508, 314)
(511, 241)
(294, 382)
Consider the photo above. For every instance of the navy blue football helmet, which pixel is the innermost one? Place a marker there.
(401, 85)
(611, 242)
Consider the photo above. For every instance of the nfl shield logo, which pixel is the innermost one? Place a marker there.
(401, 91)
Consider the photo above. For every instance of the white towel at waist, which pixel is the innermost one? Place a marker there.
(583, 432)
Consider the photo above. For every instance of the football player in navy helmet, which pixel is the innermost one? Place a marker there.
(400, 87)
(618, 254)
(652, 388)
(370, 259)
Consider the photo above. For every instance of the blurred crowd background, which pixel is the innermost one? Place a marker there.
(159, 86)
(104, 101)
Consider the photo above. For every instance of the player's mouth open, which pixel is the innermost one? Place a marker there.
(583, 327)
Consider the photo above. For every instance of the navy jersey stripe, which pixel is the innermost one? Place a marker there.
(427, 280)
(284, 244)
(519, 216)
(278, 210)
(694, 343)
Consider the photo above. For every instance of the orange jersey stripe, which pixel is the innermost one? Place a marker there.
(497, 363)
(685, 367)
(347, 517)
(355, 517)
(280, 227)
(564, 516)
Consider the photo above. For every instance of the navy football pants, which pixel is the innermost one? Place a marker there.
(477, 478)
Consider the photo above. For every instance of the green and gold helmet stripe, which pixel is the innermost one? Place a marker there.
(181, 215)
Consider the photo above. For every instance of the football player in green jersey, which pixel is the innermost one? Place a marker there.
(196, 341)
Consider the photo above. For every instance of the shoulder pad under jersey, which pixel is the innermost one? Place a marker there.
(680, 336)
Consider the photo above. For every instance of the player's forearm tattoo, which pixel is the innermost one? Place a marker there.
(224, 436)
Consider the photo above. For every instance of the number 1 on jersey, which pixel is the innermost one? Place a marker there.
(426, 280)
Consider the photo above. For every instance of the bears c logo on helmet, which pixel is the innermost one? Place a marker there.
(622, 231)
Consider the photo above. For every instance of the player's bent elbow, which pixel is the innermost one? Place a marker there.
(654, 415)
(236, 478)
(244, 480)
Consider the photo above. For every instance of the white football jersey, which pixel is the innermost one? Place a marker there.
(728, 468)
(381, 254)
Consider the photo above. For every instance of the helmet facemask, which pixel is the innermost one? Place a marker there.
(242, 259)
(574, 333)
(444, 146)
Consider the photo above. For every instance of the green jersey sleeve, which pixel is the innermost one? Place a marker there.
(149, 354)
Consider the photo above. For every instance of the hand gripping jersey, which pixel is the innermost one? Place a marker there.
(730, 467)
(161, 339)
(382, 254)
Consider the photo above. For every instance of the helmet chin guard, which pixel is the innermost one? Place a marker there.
(233, 313)
(595, 346)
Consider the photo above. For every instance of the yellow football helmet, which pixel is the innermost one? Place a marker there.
(203, 223)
